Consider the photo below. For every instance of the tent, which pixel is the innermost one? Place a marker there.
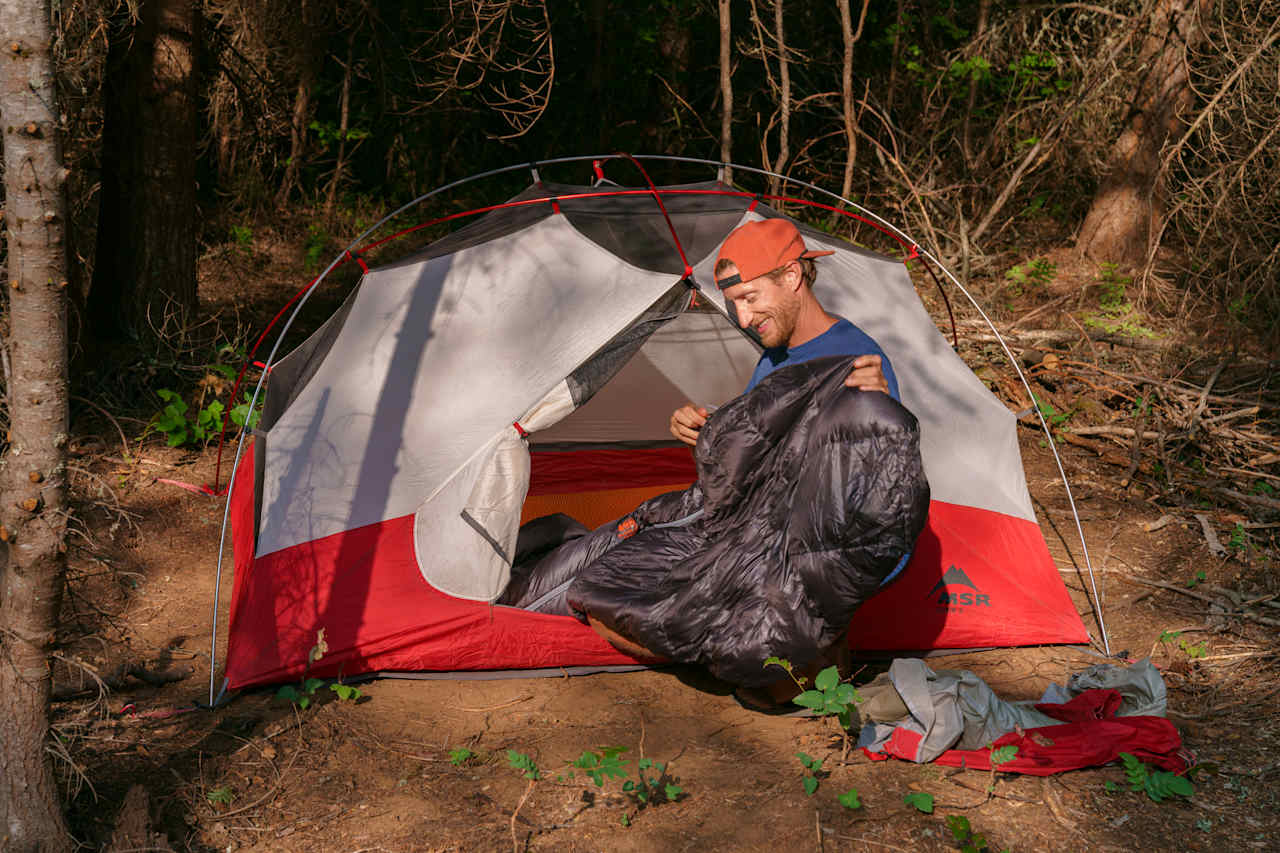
(527, 363)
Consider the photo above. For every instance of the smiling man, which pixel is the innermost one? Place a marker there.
(767, 275)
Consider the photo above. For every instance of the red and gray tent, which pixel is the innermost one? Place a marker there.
(527, 363)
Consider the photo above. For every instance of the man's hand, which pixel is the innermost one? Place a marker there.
(867, 375)
(687, 420)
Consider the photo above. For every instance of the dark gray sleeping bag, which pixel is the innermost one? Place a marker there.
(808, 495)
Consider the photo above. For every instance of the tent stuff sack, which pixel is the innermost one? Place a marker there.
(952, 717)
(808, 495)
(526, 365)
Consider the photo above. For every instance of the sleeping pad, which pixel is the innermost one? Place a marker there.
(808, 495)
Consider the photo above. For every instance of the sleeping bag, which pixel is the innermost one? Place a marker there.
(808, 495)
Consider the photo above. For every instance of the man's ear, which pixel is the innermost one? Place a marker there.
(796, 276)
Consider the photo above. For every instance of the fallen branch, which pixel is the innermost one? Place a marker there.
(1210, 599)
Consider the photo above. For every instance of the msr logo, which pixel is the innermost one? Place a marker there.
(955, 576)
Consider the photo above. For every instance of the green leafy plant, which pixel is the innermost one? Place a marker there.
(650, 788)
(302, 694)
(1195, 650)
(220, 796)
(1117, 315)
(242, 238)
(522, 762)
(460, 756)
(999, 756)
(1262, 487)
(829, 696)
(1197, 578)
(849, 799)
(314, 247)
(1239, 540)
(812, 769)
(1159, 785)
(920, 801)
(607, 763)
(963, 834)
(346, 693)
(1031, 276)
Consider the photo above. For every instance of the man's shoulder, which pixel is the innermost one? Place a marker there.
(845, 334)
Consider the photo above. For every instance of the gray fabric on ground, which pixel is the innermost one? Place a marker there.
(1140, 685)
(955, 709)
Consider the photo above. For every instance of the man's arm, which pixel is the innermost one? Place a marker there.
(686, 421)
(867, 375)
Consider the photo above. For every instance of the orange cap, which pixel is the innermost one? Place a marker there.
(760, 247)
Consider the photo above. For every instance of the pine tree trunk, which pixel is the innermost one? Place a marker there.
(1127, 208)
(144, 279)
(33, 469)
(726, 90)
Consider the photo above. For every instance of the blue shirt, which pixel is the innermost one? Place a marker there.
(843, 338)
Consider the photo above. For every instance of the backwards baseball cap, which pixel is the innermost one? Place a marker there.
(760, 247)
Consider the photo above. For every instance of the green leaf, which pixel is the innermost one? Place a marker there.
(806, 760)
(813, 699)
(311, 685)
(1003, 755)
(304, 702)
(849, 799)
(288, 693)
(810, 785)
(460, 756)
(672, 792)
(827, 679)
(846, 695)
(521, 761)
(920, 800)
(959, 826)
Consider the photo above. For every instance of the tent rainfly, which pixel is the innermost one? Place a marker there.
(528, 363)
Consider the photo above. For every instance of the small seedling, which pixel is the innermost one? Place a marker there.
(1000, 755)
(522, 762)
(601, 765)
(220, 796)
(649, 789)
(1196, 579)
(1158, 784)
(920, 801)
(849, 799)
(346, 693)
(962, 832)
(301, 694)
(812, 769)
(460, 756)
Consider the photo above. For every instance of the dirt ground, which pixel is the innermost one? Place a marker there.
(375, 773)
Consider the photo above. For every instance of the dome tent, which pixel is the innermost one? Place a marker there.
(527, 363)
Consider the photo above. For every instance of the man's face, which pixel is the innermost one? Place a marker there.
(769, 304)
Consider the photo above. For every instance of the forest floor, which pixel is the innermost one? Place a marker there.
(376, 773)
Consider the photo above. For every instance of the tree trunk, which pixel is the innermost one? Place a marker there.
(726, 91)
(33, 470)
(1127, 208)
(675, 43)
(144, 280)
(306, 71)
(784, 99)
(850, 38)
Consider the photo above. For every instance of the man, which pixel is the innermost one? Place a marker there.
(767, 275)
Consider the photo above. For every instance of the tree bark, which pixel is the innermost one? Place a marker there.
(850, 38)
(305, 67)
(145, 272)
(1127, 208)
(726, 90)
(33, 470)
(784, 106)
